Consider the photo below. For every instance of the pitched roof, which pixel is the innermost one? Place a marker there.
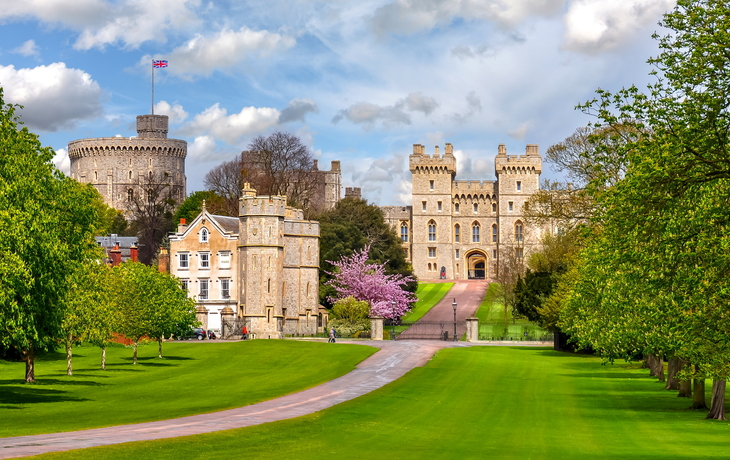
(229, 224)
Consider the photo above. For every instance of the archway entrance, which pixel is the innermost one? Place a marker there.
(477, 263)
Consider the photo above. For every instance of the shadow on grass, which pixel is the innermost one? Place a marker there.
(18, 395)
(43, 381)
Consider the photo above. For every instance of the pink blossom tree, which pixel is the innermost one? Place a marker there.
(355, 277)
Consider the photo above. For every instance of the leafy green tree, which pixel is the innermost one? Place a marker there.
(350, 226)
(97, 292)
(193, 204)
(350, 315)
(46, 229)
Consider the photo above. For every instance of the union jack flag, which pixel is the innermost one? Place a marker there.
(159, 64)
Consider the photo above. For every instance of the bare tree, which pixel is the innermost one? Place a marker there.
(151, 203)
(279, 164)
(227, 180)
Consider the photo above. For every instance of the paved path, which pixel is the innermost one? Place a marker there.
(390, 363)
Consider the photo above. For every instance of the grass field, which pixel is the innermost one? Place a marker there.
(428, 295)
(497, 323)
(193, 378)
(479, 402)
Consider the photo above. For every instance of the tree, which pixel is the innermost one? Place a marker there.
(193, 205)
(46, 230)
(227, 180)
(355, 277)
(279, 164)
(151, 210)
(350, 226)
(350, 315)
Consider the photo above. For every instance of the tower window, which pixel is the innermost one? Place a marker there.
(424, 206)
(456, 207)
(476, 207)
(475, 232)
(432, 252)
(430, 185)
(404, 232)
(511, 206)
(457, 233)
(494, 207)
(518, 232)
(439, 206)
(432, 231)
(519, 185)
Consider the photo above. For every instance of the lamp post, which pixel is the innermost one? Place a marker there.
(392, 321)
(454, 305)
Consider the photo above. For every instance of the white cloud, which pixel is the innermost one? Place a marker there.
(53, 96)
(226, 49)
(74, 13)
(297, 110)
(520, 132)
(390, 115)
(62, 161)
(28, 48)
(409, 16)
(597, 25)
(473, 166)
(175, 112)
(203, 148)
(232, 128)
(382, 180)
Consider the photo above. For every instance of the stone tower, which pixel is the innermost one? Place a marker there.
(432, 207)
(116, 166)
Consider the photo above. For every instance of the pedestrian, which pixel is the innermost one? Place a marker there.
(332, 336)
(245, 333)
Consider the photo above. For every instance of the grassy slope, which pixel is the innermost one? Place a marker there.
(496, 323)
(428, 296)
(193, 378)
(480, 402)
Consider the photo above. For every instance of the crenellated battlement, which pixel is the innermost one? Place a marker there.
(529, 163)
(463, 186)
(419, 162)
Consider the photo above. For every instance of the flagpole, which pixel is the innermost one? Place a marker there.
(153, 87)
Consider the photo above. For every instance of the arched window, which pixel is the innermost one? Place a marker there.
(432, 231)
(475, 232)
(456, 207)
(495, 233)
(494, 207)
(476, 207)
(457, 233)
(518, 232)
(130, 194)
(404, 232)
(204, 235)
(96, 175)
(130, 175)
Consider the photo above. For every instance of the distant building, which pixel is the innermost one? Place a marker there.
(118, 249)
(466, 229)
(116, 166)
(263, 265)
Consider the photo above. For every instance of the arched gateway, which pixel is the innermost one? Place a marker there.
(476, 260)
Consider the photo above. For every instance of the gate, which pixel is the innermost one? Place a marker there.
(420, 330)
(232, 329)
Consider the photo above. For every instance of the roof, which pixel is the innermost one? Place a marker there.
(229, 224)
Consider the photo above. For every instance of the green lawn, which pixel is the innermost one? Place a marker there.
(428, 295)
(479, 402)
(193, 378)
(497, 323)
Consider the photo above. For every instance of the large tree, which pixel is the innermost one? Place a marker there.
(193, 204)
(46, 231)
(227, 180)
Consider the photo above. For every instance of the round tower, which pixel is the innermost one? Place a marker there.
(116, 166)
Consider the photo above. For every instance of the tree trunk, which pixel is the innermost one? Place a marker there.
(672, 369)
(134, 361)
(717, 410)
(159, 348)
(103, 358)
(698, 395)
(69, 355)
(29, 358)
(685, 386)
(659, 368)
(650, 364)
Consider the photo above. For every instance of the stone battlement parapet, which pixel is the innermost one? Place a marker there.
(114, 146)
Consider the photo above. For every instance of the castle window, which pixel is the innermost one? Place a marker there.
(432, 231)
(476, 208)
(424, 206)
(429, 267)
(204, 235)
(439, 206)
(519, 253)
(268, 286)
(432, 252)
(204, 259)
(457, 233)
(183, 260)
(307, 290)
(494, 253)
(511, 206)
(456, 207)
(225, 288)
(254, 262)
(430, 184)
(495, 233)
(130, 175)
(224, 260)
(494, 207)
(475, 232)
(518, 232)
(457, 254)
(130, 195)
(203, 293)
(96, 176)
(150, 162)
(404, 232)
(519, 185)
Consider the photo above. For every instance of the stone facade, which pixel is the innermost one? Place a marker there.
(466, 229)
(116, 166)
(272, 265)
(328, 186)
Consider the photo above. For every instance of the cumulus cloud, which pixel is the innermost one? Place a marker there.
(473, 106)
(473, 166)
(520, 132)
(73, 13)
(390, 115)
(596, 25)
(297, 110)
(232, 128)
(62, 161)
(203, 148)
(28, 48)
(175, 112)
(53, 96)
(228, 48)
(383, 180)
(411, 16)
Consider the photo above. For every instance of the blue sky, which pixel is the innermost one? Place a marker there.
(359, 81)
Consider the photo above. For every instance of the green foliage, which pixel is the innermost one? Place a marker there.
(46, 228)
(110, 220)
(193, 204)
(350, 226)
(350, 316)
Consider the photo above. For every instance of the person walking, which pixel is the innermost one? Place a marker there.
(332, 336)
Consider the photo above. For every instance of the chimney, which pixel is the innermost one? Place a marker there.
(133, 252)
(115, 255)
(437, 152)
(315, 165)
(335, 165)
(163, 261)
(449, 150)
(183, 225)
(501, 150)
